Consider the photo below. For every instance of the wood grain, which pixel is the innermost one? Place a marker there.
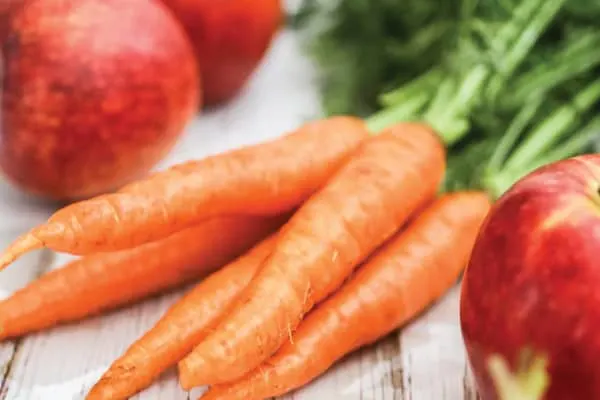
(17, 275)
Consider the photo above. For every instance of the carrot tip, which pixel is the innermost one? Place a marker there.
(187, 380)
(19, 247)
(100, 392)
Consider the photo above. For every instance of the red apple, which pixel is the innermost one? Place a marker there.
(230, 37)
(95, 92)
(533, 281)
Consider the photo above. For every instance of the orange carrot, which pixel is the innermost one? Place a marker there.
(366, 201)
(180, 329)
(398, 282)
(263, 179)
(105, 281)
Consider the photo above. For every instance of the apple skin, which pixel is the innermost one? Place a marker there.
(230, 38)
(95, 93)
(6, 8)
(533, 280)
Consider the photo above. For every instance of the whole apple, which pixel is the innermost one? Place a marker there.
(533, 281)
(94, 93)
(230, 37)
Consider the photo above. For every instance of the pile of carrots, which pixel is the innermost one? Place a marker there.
(315, 244)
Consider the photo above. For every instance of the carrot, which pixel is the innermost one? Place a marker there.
(365, 202)
(182, 326)
(402, 278)
(105, 281)
(263, 179)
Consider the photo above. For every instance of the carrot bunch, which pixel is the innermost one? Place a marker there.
(321, 241)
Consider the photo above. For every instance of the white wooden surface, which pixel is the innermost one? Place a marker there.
(423, 361)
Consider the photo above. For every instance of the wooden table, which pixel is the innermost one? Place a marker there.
(425, 360)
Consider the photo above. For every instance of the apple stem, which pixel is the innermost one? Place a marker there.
(529, 383)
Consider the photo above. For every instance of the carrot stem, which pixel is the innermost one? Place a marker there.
(528, 37)
(513, 133)
(572, 146)
(415, 87)
(402, 112)
(551, 129)
(577, 58)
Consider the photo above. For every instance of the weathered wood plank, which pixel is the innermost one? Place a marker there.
(11, 279)
(19, 211)
(433, 353)
(469, 386)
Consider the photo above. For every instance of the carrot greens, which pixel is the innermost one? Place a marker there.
(509, 85)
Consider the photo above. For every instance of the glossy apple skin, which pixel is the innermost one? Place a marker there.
(534, 279)
(95, 92)
(230, 38)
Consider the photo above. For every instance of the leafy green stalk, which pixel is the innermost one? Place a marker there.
(518, 31)
(465, 163)
(403, 111)
(515, 56)
(453, 103)
(508, 84)
(550, 131)
(577, 142)
(366, 47)
(509, 33)
(579, 56)
(572, 146)
(513, 133)
(424, 39)
(422, 84)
